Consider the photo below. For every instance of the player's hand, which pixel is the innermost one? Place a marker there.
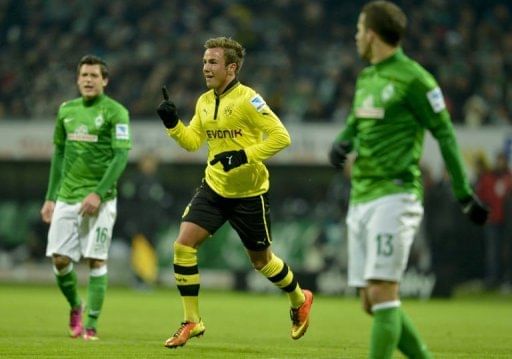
(338, 154)
(167, 110)
(230, 159)
(90, 205)
(476, 211)
(47, 211)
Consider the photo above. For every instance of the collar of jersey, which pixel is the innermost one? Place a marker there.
(397, 55)
(93, 101)
(229, 88)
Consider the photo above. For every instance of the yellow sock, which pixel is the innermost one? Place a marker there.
(186, 274)
(280, 274)
(190, 309)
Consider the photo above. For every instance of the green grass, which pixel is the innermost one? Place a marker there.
(33, 324)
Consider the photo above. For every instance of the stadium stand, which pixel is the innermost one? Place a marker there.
(302, 53)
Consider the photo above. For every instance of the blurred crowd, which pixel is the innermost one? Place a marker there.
(300, 54)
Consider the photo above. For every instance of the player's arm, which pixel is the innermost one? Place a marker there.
(53, 183)
(189, 137)
(92, 201)
(343, 144)
(55, 176)
(426, 100)
(259, 116)
(121, 144)
(59, 141)
(113, 172)
(277, 137)
(55, 173)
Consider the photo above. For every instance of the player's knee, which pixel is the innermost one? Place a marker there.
(365, 302)
(96, 263)
(366, 306)
(260, 259)
(60, 262)
(379, 291)
(258, 263)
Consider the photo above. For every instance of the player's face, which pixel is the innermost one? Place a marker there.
(90, 81)
(363, 38)
(216, 73)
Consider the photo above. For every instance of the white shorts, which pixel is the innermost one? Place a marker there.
(380, 235)
(73, 235)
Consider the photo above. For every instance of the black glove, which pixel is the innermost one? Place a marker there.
(338, 154)
(230, 159)
(476, 211)
(167, 111)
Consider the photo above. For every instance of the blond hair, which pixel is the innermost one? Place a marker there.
(233, 52)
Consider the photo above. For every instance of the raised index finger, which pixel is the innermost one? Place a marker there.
(165, 93)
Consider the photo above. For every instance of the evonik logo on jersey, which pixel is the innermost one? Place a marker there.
(214, 134)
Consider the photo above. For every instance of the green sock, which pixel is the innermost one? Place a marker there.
(410, 342)
(385, 333)
(95, 296)
(68, 285)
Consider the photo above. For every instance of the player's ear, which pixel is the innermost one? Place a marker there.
(371, 35)
(105, 82)
(232, 68)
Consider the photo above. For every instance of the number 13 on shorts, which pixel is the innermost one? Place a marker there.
(380, 234)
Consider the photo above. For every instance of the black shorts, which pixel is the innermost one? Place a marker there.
(249, 217)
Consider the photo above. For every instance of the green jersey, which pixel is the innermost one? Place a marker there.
(395, 101)
(90, 133)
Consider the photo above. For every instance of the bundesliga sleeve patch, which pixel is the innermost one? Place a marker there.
(122, 132)
(258, 103)
(435, 97)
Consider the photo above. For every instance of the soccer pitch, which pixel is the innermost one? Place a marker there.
(33, 324)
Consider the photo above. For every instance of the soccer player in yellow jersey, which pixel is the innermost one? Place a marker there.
(241, 132)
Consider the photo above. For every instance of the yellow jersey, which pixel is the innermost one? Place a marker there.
(237, 119)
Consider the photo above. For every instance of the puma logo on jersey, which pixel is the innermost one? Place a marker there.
(214, 134)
